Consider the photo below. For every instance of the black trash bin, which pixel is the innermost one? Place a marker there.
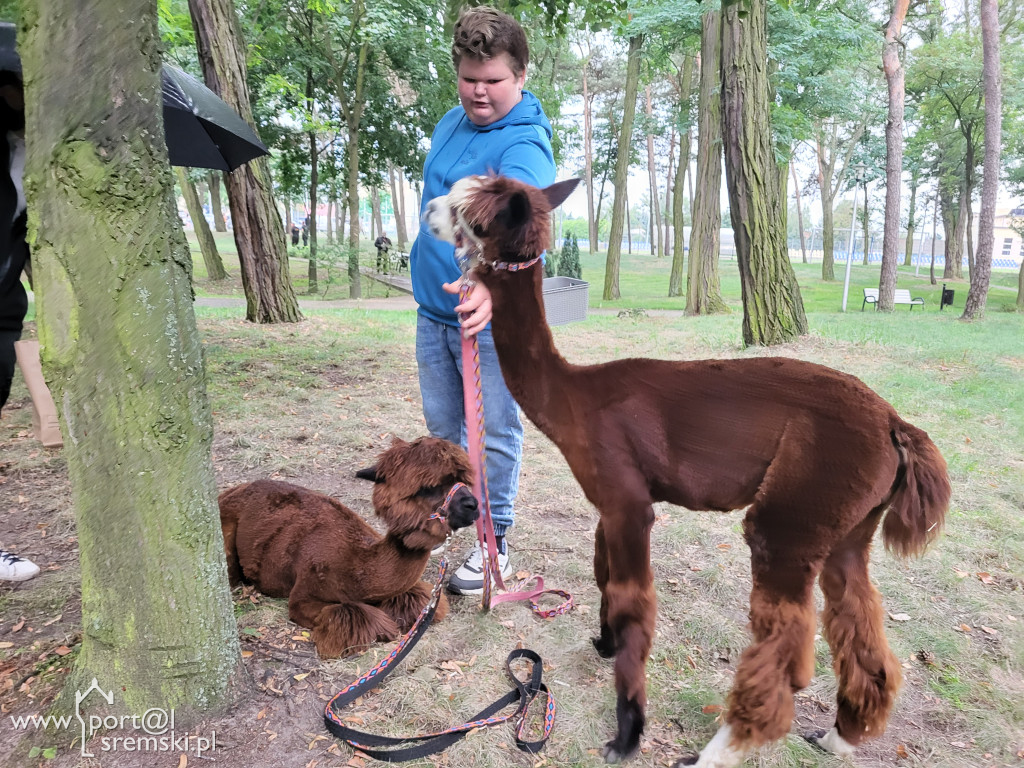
(947, 297)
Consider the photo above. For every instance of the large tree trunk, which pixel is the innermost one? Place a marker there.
(703, 289)
(353, 118)
(981, 272)
(207, 245)
(894, 80)
(654, 220)
(773, 310)
(865, 222)
(123, 356)
(215, 205)
(611, 272)
(954, 218)
(259, 235)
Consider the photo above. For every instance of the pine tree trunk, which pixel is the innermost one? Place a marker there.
(894, 80)
(314, 199)
(398, 204)
(259, 235)
(354, 116)
(773, 310)
(122, 353)
(215, 204)
(865, 223)
(675, 280)
(588, 161)
(703, 290)
(908, 258)
(828, 232)
(954, 218)
(981, 273)
(654, 219)
(207, 245)
(611, 272)
(799, 216)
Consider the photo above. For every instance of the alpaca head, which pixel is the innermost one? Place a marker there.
(497, 218)
(412, 481)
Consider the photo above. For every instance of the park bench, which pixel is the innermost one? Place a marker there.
(902, 296)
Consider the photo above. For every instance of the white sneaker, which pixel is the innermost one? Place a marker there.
(469, 578)
(14, 568)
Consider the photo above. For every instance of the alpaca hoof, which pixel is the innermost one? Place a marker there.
(830, 741)
(604, 646)
(690, 759)
(613, 753)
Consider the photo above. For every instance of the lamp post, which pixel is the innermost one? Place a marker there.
(858, 174)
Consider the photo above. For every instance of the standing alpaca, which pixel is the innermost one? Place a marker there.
(343, 580)
(814, 455)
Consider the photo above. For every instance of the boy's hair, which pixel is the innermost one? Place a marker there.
(484, 32)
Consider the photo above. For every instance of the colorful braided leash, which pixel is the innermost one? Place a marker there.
(531, 588)
(524, 693)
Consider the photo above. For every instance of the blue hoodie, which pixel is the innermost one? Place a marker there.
(518, 145)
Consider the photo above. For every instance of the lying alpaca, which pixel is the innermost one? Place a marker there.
(813, 454)
(343, 580)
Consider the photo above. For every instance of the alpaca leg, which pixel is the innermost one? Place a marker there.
(346, 629)
(405, 608)
(867, 672)
(603, 643)
(629, 606)
(778, 663)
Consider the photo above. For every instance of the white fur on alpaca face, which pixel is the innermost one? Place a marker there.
(442, 212)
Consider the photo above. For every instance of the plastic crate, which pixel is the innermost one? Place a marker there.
(565, 299)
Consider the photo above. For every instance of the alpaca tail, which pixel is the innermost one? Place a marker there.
(920, 498)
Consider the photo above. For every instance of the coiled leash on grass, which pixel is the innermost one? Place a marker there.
(524, 693)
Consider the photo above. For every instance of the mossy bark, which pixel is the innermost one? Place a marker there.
(207, 245)
(703, 288)
(773, 310)
(255, 221)
(123, 357)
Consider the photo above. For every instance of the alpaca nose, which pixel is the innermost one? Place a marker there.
(464, 509)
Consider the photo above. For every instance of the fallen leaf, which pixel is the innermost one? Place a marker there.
(711, 709)
(246, 654)
(986, 578)
(899, 617)
(725, 546)
(522, 575)
(261, 714)
(961, 574)
(6, 645)
(17, 627)
(989, 630)
(901, 751)
(62, 650)
(302, 676)
(182, 760)
(964, 628)
(958, 744)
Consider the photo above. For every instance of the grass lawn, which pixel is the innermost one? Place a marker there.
(312, 402)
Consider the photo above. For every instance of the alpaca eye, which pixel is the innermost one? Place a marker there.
(478, 230)
(435, 490)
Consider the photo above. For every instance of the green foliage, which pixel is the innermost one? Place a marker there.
(569, 259)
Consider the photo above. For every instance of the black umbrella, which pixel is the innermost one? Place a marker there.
(202, 131)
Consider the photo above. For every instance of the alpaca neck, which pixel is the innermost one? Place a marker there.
(399, 566)
(536, 374)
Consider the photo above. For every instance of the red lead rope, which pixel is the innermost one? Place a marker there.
(531, 588)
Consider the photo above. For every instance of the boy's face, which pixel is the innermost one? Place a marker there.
(489, 89)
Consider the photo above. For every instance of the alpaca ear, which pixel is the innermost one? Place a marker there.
(517, 211)
(557, 193)
(370, 473)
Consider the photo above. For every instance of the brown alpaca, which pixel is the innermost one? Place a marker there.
(343, 580)
(815, 456)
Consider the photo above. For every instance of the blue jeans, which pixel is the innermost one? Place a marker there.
(439, 357)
